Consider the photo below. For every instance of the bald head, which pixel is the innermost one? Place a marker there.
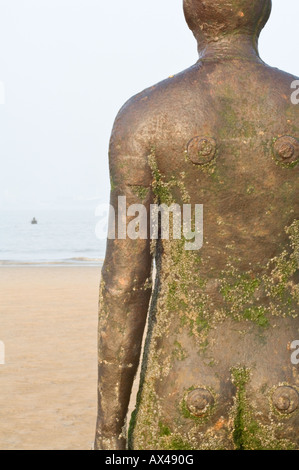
(209, 19)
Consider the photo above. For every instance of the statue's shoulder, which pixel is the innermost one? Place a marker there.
(282, 96)
(141, 124)
(146, 107)
(279, 81)
(278, 74)
(144, 123)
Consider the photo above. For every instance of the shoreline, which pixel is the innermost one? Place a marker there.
(48, 264)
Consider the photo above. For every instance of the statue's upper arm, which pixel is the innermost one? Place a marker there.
(129, 150)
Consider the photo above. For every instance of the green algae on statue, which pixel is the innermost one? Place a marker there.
(216, 369)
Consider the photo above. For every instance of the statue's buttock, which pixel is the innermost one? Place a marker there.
(217, 370)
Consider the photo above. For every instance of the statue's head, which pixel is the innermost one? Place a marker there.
(209, 19)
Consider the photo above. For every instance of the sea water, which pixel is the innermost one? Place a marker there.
(60, 237)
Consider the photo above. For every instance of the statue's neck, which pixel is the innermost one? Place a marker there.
(229, 47)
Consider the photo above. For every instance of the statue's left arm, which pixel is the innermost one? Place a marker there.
(125, 288)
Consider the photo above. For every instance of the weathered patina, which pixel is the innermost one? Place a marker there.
(216, 371)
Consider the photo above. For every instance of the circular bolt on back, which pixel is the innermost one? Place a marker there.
(202, 150)
(199, 401)
(286, 399)
(286, 149)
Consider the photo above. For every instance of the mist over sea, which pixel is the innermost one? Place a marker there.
(60, 237)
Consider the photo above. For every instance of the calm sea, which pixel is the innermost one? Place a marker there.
(60, 237)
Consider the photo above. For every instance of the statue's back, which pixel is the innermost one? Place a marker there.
(227, 139)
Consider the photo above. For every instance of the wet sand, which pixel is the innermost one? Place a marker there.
(48, 322)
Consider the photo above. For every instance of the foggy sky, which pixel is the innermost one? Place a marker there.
(69, 65)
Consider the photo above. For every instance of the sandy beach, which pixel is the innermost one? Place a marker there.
(48, 322)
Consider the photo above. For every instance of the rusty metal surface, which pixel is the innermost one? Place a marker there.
(217, 370)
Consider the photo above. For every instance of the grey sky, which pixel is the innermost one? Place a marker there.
(68, 66)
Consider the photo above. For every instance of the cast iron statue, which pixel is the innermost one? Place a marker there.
(217, 370)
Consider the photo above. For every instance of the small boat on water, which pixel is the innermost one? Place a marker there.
(34, 221)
